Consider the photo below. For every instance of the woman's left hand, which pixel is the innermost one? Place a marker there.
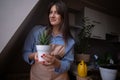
(51, 60)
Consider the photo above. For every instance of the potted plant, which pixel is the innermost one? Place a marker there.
(108, 70)
(42, 45)
(82, 41)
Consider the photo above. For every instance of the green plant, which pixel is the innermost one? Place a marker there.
(43, 38)
(82, 43)
(105, 59)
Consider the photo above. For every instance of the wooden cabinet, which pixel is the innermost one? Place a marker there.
(98, 20)
(104, 23)
(113, 25)
(71, 19)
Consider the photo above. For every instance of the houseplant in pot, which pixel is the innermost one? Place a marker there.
(107, 68)
(42, 44)
(82, 41)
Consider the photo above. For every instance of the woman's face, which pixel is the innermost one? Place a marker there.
(54, 17)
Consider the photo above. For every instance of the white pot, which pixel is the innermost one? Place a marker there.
(108, 74)
(42, 49)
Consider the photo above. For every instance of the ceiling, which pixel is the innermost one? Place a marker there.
(110, 6)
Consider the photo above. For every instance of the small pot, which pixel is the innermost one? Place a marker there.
(108, 73)
(42, 49)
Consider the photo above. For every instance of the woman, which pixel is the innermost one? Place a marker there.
(58, 61)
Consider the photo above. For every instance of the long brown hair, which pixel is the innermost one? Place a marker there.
(62, 10)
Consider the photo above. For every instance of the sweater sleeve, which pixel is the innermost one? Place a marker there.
(29, 45)
(68, 58)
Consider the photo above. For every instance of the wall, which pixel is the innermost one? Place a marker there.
(12, 65)
(12, 14)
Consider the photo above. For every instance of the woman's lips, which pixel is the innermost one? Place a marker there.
(52, 20)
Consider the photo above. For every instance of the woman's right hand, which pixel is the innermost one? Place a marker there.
(34, 56)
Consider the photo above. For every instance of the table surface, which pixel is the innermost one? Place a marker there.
(93, 74)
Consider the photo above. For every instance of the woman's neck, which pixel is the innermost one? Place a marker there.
(56, 31)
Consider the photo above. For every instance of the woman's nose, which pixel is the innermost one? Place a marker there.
(52, 14)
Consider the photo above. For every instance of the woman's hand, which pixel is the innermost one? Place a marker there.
(51, 60)
(34, 56)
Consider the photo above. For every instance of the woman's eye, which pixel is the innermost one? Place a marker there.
(55, 12)
(50, 12)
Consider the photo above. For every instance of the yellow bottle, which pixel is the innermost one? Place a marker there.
(82, 69)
